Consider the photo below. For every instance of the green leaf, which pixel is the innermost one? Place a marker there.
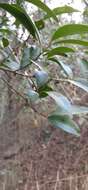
(73, 41)
(43, 6)
(29, 53)
(84, 68)
(72, 110)
(70, 29)
(25, 61)
(40, 24)
(65, 67)
(43, 94)
(83, 84)
(62, 102)
(41, 77)
(85, 13)
(14, 66)
(43, 90)
(5, 42)
(59, 51)
(32, 95)
(35, 52)
(85, 63)
(64, 123)
(19, 2)
(62, 10)
(79, 110)
(86, 52)
(22, 16)
(64, 106)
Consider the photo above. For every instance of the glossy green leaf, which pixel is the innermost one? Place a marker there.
(64, 66)
(34, 52)
(41, 77)
(40, 24)
(64, 123)
(25, 61)
(12, 65)
(62, 102)
(5, 42)
(43, 90)
(64, 106)
(84, 68)
(70, 29)
(29, 53)
(73, 41)
(22, 16)
(43, 6)
(59, 51)
(72, 110)
(32, 95)
(85, 63)
(19, 2)
(62, 10)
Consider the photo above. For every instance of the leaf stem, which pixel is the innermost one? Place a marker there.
(36, 64)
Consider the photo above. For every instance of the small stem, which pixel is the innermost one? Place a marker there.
(49, 45)
(36, 64)
(36, 111)
(16, 72)
(29, 77)
(61, 80)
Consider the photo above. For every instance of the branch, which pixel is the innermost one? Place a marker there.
(13, 89)
(86, 3)
(16, 72)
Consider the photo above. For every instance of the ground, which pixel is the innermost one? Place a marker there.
(49, 159)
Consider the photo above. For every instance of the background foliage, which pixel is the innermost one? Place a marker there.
(24, 54)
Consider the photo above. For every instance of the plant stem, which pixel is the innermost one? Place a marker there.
(36, 64)
(15, 72)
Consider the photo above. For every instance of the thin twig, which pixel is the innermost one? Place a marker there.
(63, 179)
(37, 183)
(16, 72)
(13, 89)
(36, 111)
(36, 64)
(70, 182)
(26, 75)
(57, 180)
(26, 185)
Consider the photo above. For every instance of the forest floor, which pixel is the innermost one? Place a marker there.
(58, 162)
